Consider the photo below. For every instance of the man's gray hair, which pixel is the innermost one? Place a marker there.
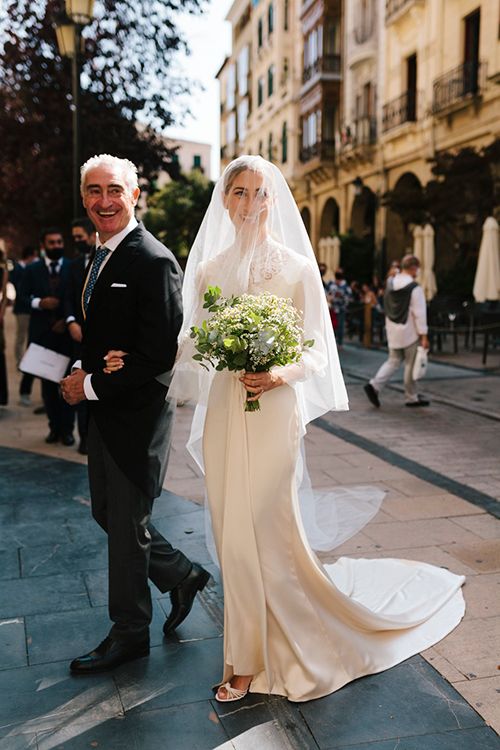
(410, 261)
(128, 169)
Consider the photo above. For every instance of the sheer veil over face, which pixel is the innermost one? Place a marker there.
(252, 240)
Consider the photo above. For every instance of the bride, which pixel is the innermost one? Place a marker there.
(292, 626)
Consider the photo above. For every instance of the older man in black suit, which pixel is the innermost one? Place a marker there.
(131, 301)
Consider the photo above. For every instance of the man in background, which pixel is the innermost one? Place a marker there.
(406, 327)
(42, 290)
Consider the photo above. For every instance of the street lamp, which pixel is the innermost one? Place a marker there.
(79, 13)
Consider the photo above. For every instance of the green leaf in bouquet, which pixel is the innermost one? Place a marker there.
(211, 296)
(309, 342)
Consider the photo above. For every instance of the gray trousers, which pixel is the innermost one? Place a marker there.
(136, 550)
(392, 365)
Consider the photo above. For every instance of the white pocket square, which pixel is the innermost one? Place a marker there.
(119, 286)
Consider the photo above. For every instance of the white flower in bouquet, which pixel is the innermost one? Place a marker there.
(251, 332)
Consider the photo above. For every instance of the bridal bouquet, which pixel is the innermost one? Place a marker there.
(249, 332)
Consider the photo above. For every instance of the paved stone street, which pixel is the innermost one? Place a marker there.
(440, 467)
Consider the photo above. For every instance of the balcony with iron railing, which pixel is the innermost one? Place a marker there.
(463, 82)
(327, 64)
(396, 8)
(356, 139)
(324, 149)
(400, 110)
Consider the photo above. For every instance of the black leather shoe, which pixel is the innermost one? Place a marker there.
(67, 440)
(182, 597)
(372, 395)
(52, 437)
(108, 655)
(82, 448)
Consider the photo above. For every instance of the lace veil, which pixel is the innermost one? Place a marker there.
(252, 239)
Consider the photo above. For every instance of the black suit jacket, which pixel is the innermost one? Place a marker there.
(136, 306)
(35, 282)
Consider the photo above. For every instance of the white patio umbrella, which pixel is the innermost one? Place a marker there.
(321, 250)
(487, 279)
(329, 253)
(335, 253)
(418, 243)
(428, 279)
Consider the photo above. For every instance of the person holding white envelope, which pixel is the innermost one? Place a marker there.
(42, 290)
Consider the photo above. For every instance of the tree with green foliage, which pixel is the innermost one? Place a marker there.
(127, 92)
(176, 211)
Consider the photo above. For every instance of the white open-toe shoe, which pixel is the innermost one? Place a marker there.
(232, 694)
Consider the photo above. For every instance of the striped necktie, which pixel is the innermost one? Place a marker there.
(94, 272)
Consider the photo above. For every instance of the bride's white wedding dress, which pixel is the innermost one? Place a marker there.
(301, 628)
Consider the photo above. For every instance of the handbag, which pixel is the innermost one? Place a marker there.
(420, 364)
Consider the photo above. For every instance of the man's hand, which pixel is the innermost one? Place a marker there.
(75, 331)
(72, 387)
(424, 341)
(49, 303)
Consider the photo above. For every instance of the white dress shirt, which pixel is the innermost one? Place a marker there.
(111, 244)
(401, 335)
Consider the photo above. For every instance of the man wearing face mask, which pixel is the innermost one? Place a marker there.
(43, 290)
(84, 240)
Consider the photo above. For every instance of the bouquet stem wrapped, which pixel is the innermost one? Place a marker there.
(252, 333)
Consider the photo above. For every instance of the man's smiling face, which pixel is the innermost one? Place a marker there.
(109, 201)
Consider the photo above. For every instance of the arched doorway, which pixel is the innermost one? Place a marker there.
(358, 246)
(306, 218)
(330, 219)
(404, 210)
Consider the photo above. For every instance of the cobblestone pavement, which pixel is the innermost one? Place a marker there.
(53, 591)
